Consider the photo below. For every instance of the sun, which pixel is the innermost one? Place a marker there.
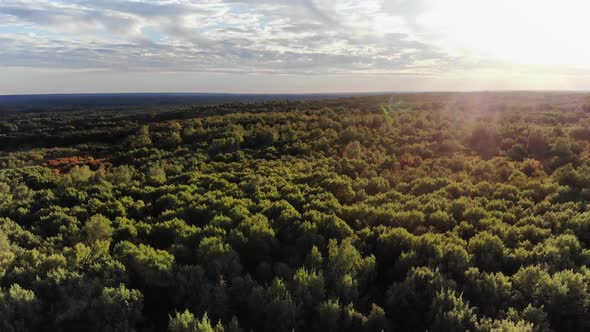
(516, 31)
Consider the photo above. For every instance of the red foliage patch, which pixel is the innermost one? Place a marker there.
(66, 163)
(408, 161)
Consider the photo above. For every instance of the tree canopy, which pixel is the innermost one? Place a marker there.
(463, 212)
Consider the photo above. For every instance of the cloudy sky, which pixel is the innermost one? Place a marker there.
(292, 46)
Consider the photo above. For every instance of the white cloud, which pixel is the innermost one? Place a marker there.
(312, 37)
(435, 40)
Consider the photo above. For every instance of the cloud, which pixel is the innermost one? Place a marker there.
(244, 36)
(300, 45)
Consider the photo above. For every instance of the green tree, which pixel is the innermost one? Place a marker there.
(487, 251)
(117, 309)
(451, 313)
(98, 228)
(186, 322)
(537, 144)
(20, 309)
(309, 287)
(483, 141)
(141, 138)
(352, 150)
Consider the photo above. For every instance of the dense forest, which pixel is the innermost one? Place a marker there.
(411, 212)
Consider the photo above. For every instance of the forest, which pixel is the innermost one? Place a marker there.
(404, 212)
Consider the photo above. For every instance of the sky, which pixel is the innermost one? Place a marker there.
(292, 46)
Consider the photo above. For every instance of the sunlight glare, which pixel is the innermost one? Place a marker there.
(519, 32)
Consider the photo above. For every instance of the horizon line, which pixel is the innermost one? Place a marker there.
(296, 93)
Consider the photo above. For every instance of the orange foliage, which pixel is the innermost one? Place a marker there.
(531, 166)
(60, 165)
(408, 161)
